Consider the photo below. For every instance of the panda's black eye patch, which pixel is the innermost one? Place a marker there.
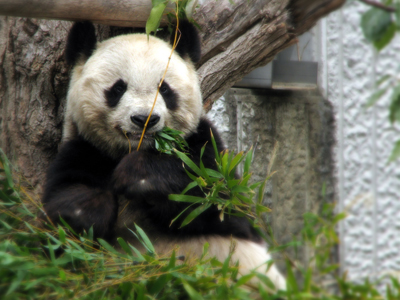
(169, 96)
(115, 93)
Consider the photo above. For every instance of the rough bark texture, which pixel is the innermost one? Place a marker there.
(236, 37)
(116, 12)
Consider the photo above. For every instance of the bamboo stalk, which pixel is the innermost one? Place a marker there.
(127, 13)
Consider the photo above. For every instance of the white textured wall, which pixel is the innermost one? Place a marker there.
(368, 188)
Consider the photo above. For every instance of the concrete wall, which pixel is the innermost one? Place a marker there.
(368, 187)
(300, 124)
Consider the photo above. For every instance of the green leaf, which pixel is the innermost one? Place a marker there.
(145, 239)
(266, 280)
(166, 136)
(177, 217)
(195, 213)
(189, 187)
(394, 109)
(383, 79)
(172, 261)
(124, 246)
(241, 189)
(375, 97)
(61, 234)
(307, 280)
(139, 255)
(51, 250)
(386, 37)
(235, 161)
(374, 23)
(247, 162)
(185, 198)
(159, 284)
(395, 152)
(213, 173)
(7, 170)
(262, 209)
(291, 279)
(62, 275)
(244, 279)
(189, 162)
(215, 148)
(157, 10)
(225, 163)
(193, 294)
(108, 247)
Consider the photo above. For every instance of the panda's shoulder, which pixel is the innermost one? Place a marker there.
(79, 154)
(205, 131)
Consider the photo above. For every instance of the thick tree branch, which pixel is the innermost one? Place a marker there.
(130, 13)
(237, 37)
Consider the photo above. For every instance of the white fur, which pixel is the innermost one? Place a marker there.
(141, 64)
(250, 255)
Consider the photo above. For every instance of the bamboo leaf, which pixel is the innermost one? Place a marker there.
(395, 152)
(108, 247)
(375, 97)
(177, 217)
(157, 10)
(215, 174)
(193, 294)
(145, 239)
(216, 152)
(61, 234)
(189, 162)
(185, 198)
(6, 168)
(189, 187)
(235, 161)
(248, 160)
(124, 246)
(394, 109)
(166, 136)
(194, 214)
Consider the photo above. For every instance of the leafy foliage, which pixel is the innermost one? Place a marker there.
(158, 10)
(52, 262)
(379, 25)
(222, 187)
(168, 139)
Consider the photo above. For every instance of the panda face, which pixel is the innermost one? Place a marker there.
(112, 93)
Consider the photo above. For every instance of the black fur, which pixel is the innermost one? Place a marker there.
(81, 42)
(189, 43)
(82, 178)
(169, 96)
(115, 93)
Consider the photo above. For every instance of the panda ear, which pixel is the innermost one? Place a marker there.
(81, 42)
(189, 43)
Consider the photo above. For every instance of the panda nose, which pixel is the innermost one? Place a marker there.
(140, 120)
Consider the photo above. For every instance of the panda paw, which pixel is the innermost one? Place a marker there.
(131, 177)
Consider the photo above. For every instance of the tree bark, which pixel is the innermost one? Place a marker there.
(236, 37)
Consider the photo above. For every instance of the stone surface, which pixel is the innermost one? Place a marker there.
(299, 126)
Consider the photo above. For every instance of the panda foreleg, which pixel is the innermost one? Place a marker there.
(145, 173)
(83, 207)
(77, 189)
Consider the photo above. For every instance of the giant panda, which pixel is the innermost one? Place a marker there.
(95, 180)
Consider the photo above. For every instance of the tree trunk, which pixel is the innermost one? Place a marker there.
(236, 38)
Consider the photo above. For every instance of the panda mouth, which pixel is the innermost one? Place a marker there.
(135, 135)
